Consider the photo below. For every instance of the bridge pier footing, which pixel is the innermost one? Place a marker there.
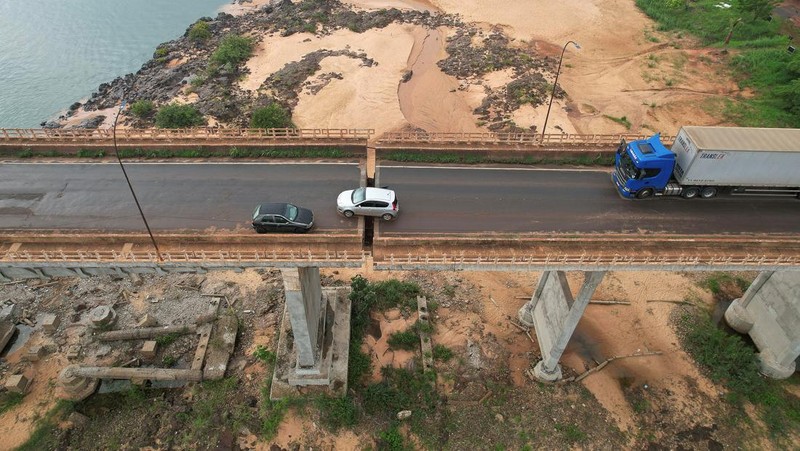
(318, 320)
(554, 313)
(769, 312)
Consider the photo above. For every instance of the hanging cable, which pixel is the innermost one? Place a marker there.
(125, 173)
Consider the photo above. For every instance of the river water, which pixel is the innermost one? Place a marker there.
(56, 52)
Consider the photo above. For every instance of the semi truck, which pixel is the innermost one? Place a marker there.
(707, 161)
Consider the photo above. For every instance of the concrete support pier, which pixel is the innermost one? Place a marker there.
(554, 314)
(313, 347)
(769, 311)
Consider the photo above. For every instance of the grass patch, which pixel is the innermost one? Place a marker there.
(8, 400)
(761, 63)
(337, 413)
(201, 424)
(717, 283)
(623, 121)
(166, 340)
(473, 159)
(571, 432)
(200, 152)
(442, 353)
(728, 360)
(44, 436)
(265, 355)
(407, 340)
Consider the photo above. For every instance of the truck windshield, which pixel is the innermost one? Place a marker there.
(628, 168)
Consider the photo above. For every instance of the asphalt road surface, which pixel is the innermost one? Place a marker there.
(432, 200)
(541, 200)
(173, 196)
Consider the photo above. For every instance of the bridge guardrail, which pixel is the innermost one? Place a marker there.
(506, 139)
(16, 135)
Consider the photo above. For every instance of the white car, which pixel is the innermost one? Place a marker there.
(362, 201)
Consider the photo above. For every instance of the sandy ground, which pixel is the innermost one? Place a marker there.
(623, 69)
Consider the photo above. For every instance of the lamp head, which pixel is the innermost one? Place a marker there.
(577, 46)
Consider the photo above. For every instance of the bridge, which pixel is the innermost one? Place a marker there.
(553, 310)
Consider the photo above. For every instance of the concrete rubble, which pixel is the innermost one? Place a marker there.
(97, 324)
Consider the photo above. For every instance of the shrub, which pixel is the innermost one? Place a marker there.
(178, 116)
(232, 50)
(142, 108)
(199, 31)
(442, 353)
(161, 52)
(272, 116)
(408, 340)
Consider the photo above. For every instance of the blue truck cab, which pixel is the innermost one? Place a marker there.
(643, 168)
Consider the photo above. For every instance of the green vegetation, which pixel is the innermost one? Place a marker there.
(392, 440)
(727, 359)
(597, 159)
(168, 361)
(716, 283)
(265, 355)
(571, 432)
(232, 50)
(44, 435)
(161, 52)
(202, 423)
(337, 413)
(200, 31)
(442, 353)
(761, 61)
(166, 340)
(622, 120)
(8, 400)
(201, 152)
(178, 116)
(407, 340)
(142, 108)
(271, 116)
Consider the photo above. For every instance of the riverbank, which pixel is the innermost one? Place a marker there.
(439, 66)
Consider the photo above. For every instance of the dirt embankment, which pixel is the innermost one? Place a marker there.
(439, 66)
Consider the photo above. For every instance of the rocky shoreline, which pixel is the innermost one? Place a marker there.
(180, 67)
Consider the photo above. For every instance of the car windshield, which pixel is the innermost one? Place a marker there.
(359, 195)
(291, 212)
(255, 213)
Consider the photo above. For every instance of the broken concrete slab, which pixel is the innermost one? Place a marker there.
(7, 330)
(149, 349)
(220, 347)
(35, 353)
(18, 383)
(50, 323)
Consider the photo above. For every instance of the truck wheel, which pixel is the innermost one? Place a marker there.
(708, 192)
(690, 192)
(644, 193)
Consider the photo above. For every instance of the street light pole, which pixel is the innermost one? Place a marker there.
(555, 83)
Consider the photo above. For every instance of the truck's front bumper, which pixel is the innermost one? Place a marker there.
(622, 189)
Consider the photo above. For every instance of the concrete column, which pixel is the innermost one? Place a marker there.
(770, 313)
(554, 314)
(525, 314)
(737, 315)
(305, 307)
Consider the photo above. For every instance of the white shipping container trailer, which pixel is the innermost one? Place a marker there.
(737, 157)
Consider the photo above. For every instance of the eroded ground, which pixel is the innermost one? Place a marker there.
(485, 397)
